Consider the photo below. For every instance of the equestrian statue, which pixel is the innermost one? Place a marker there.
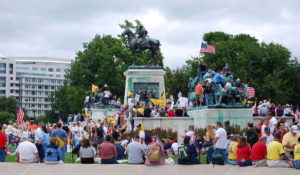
(141, 43)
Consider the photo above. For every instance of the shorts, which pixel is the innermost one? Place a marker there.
(198, 97)
(277, 163)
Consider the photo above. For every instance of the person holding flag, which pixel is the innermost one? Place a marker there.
(61, 137)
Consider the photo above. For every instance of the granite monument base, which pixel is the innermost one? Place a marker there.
(144, 79)
(103, 113)
(199, 118)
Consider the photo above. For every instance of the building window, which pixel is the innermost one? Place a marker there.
(26, 86)
(11, 78)
(2, 78)
(35, 68)
(58, 76)
(65, 70)
(27, 79)
(43, 69)
(58, 70)
(11, 91)
(11, 68)
(50, 69)
(2, 92)
(3, 68)
(33, 80)
(2, 85)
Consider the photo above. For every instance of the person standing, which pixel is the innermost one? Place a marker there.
(61, 136)
(43, 142)
(10, 131)
(251, 134)
(220, 141)
(199, 94)
(3, 144)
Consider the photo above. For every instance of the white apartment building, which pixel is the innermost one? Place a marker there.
(32, 80)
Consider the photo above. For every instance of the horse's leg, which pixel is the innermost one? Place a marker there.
(133, 53)
(157, 57)
(153, 57)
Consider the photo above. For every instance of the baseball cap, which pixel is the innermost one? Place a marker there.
(267, 129)
(294, 129)
(277, 136)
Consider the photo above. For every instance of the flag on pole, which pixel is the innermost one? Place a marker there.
(142, 128)
(206, 48)
(297, 111)
(20, 116)
(292, 109)
(94, 88)
(251, 92)
(86, 113)
(164, 100)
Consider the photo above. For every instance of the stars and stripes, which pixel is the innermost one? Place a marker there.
(20, 116)
(251, 92)
(206, 48)
(60, 120)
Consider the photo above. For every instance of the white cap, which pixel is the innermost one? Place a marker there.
(294, 129)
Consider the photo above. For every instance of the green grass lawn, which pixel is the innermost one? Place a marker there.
(68, 158)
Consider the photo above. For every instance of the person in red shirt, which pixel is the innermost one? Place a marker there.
(244, 153)
(108, 152)
(259, 152)
(3, 144)
(199, 94)
(281, 131)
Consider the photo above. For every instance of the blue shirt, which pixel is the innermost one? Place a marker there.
(62, 134)
(52, 153)
(218, 78)
(46, 138)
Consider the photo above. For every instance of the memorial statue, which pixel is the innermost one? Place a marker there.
(142, 43)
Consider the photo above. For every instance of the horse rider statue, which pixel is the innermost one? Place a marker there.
(141, 37)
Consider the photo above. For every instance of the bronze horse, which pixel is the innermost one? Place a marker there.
(147, 43)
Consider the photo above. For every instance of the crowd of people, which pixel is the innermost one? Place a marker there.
(270, 143)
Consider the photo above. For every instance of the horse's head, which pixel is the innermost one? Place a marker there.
(126, 31)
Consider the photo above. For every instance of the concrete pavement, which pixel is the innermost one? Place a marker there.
(122, 169)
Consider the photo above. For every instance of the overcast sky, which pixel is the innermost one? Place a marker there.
(57, 28)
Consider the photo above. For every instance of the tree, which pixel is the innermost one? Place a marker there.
(6, 116)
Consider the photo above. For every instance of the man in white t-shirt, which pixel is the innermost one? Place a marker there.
(37, 132)
(26, 152)
(272, 121)
(220, 141)
(106, 97)
(142, 134)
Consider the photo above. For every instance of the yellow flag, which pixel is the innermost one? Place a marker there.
(141, 110)
(156, 102)
(61, 143)
(94, 88)
(142, 128)
(164, 100)
(86, 113)
(129, 93)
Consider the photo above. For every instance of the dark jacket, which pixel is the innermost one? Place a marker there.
(193, 156)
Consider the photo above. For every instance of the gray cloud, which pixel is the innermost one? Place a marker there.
(58, 28)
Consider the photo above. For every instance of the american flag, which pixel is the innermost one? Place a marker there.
(206, 48)
(251, 92)
(60, 120)
(20, 116)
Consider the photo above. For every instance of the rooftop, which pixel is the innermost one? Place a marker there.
(41, 59)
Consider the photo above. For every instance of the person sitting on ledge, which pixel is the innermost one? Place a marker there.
(190, 150)
(108, 152)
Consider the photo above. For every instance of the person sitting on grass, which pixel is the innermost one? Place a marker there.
(52, 152)
(12, 148)
(108, 152)
(86, 152)
(191, 153)
(244, 153)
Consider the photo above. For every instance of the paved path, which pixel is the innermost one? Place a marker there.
(74, 169)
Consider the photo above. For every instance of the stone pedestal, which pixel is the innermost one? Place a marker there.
(103, 113)
(138, 79)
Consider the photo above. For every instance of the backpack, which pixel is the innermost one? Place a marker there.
(218, 159)
(148, 138)
(183, 152)
(154, 154)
